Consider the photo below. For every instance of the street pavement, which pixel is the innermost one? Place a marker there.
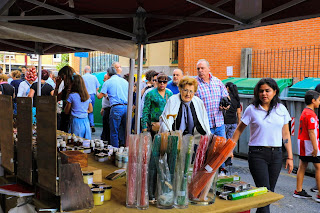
(286, 185)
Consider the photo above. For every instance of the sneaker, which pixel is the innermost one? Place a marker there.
(314, 189)
(302, 194)
(318, 198)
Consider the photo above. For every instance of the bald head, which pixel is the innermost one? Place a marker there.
(87, 69)
(117, 66)
(106, 77)
(177, 76)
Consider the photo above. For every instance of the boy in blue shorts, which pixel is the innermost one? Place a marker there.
(308, 143)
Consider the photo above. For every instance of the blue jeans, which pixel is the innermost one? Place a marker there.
(80, 127)
(265, 166)
(117, 121)
(219, 131)
(90, 115)
(230, 128)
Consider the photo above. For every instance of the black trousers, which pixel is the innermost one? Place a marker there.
(265, 166)
(105, 135)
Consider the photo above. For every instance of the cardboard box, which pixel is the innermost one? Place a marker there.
(97, 173)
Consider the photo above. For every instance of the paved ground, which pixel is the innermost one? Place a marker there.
(285, 186)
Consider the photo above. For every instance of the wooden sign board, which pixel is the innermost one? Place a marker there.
(47, 143)
(6, 136)
(24, 144)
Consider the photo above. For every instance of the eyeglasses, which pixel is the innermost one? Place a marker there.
(162, 82)
(187, 91)
(154, 80)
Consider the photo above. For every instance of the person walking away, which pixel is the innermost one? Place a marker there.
(16, 76)
(79, 105)
(62, 91)
(46, 90)
(173, 85)
(105, 113)
(5, 88)
(308, 143)
(117, 90)
(92, 85)
(232, 116)
(268, 120)
(154, 104)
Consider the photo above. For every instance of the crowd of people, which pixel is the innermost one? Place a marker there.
(199, 106)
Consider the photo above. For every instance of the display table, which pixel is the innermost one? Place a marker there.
(118, 198)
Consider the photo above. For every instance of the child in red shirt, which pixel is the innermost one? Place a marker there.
(308, 143)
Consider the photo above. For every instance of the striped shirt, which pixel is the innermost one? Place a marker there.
(211, 94)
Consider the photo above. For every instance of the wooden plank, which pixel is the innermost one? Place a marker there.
(75, 194)
(6, 136)
(47, 143)
(74, 157)
(24, 144)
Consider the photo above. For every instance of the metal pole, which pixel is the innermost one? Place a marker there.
(130, 100)
(80, 71)
(138, 96)
(39, 76)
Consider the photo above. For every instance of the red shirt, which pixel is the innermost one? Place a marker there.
(308, 120)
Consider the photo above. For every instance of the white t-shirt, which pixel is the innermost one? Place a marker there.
(266, 131)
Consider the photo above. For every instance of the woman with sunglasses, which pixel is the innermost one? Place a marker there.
(184, 111)
(154, 104)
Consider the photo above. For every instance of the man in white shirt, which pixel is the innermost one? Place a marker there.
(92, 85)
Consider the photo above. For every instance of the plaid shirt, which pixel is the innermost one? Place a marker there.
(211, 94)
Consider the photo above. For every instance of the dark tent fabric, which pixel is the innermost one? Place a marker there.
(147, 21)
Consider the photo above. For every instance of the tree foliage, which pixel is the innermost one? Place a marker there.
(64, 61)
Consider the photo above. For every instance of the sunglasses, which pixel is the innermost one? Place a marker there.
(159, 81)
(154, 80)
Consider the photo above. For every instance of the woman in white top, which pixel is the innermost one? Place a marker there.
(268, 120)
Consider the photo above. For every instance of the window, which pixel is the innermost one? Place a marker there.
(34, 57)
(7, 57)
(57, 58)
(144, 55)
(174, 52)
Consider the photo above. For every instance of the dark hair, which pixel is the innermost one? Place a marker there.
(79, 86)
(311, 94)
(68, 72)
(162, 76)
(233, 90)
(111, 71)
(126, 77)
(44, 75)
(271, 83)
(150, 74)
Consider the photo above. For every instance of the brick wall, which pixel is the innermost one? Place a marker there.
(222, 50)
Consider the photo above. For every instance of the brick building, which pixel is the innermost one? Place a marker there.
(223, 50)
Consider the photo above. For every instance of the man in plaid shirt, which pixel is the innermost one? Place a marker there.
(210, 91)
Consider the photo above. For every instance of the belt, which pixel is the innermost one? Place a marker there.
(266, 147)
(118, 105)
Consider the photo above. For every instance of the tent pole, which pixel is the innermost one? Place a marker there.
(130, 100)
(39, 76)
(138, 92)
